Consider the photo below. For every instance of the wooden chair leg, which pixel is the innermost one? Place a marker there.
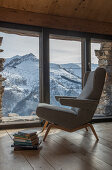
(48, 129)
(93, 130)
(45, 124)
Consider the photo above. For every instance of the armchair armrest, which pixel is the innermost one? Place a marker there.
(79, 103)
(63, 97)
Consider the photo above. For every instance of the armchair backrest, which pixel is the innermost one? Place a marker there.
(92, 90)
(94, 85)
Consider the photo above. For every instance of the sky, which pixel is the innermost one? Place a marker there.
(61, 51)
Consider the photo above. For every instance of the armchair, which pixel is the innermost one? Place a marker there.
(86, 104)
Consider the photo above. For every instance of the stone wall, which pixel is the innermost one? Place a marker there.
(105, 60)
(1, 80)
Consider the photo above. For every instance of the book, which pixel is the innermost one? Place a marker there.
(25, 147)
(26, 142)
(27, 132)
(22, 144)
(27, 139)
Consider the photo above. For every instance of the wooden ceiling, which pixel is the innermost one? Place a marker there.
(98, 10)
(85, 13)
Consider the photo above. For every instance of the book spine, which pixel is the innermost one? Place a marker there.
(20, 136)
(22, 143)
(21, 140)
(27, 135)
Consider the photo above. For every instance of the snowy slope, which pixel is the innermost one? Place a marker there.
(22, 78)
(22, 85)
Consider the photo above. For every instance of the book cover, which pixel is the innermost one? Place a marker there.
(17, 135)
(27, 132)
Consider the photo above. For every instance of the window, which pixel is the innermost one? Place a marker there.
(94, 59)
(65, 68)
(21, 70)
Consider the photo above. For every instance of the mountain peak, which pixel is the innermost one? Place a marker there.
(14, 61)
(29, 55)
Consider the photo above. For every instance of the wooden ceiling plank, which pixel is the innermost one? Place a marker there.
(99, 10)
(30, 18)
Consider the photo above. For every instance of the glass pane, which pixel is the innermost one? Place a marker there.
(94, 59)
(65, 68)
(21, 70)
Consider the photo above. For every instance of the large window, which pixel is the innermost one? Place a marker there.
(65, 68)
(21, 70)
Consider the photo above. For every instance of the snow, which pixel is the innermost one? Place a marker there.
(21, 94)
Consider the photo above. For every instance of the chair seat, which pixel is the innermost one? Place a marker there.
(58, 115)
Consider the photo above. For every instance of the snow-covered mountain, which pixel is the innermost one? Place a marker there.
(21, 94)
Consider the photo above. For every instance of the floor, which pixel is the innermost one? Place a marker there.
(61, 151)
(16, 118)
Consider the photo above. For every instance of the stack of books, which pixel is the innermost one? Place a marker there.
(26, 139)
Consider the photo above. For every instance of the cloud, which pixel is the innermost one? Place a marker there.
(61, 51)
(19, 45)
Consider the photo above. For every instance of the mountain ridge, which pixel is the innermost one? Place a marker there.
(21, 93)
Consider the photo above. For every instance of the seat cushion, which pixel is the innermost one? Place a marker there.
(58, 115)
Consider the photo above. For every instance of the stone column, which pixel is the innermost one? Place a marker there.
(1, 80)
(105, 60)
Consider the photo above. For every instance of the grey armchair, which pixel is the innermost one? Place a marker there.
(83, 107)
